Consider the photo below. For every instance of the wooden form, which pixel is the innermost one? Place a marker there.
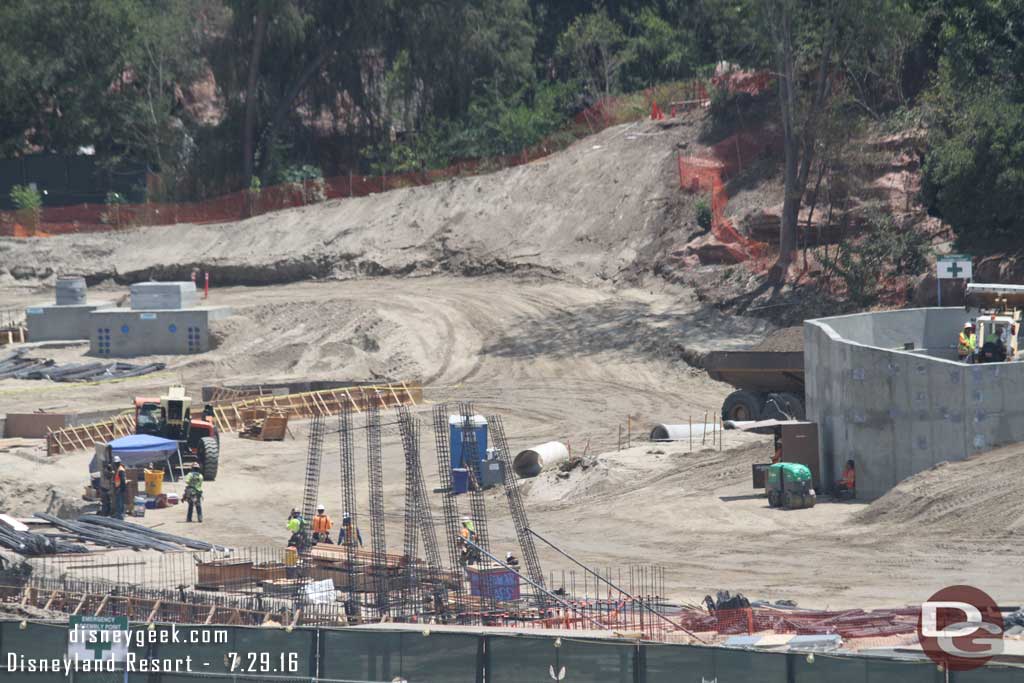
(84, 437)
(157, 609)
(228, 417)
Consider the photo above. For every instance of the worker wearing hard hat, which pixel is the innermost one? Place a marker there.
(194, 492)
(470, 555)
(120, 481)
(349, 534)
(321, 526)
(966, 343)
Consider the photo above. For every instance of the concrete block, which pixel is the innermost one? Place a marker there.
(48, 322)
(147, 296)
(124, 333)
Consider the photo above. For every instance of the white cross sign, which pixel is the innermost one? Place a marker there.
(954, 267)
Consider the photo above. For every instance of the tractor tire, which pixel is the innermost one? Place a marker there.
(741, 406)
(773, 499)
(209, 457)
(810, 500)
(787, 500)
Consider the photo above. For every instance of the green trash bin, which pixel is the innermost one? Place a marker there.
(789, 486)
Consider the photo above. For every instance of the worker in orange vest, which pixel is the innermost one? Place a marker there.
(848, 484)
(470, 555)
(321, 526)
(120, 487)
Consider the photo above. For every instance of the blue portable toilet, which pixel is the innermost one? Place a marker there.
(456, 427)
(460, 480)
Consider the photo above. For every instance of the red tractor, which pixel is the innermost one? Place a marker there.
(170, 417)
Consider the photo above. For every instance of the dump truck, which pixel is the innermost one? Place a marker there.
(769, 382)
(998, 320)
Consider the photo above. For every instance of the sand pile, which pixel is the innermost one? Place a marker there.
(979, 496)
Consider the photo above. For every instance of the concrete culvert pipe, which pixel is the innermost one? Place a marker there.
(533, 461)
(665, 432)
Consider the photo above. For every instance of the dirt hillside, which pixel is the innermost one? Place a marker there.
(608, 204)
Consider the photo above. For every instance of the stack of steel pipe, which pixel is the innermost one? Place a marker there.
(116, 533)
(28, 543)
(121, 525)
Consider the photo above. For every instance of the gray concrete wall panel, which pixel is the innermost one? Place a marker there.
(896, 413)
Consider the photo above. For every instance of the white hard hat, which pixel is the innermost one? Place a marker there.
(465, 518)
(508, 555)
(319, 507)
(969, 323)
(117, 458)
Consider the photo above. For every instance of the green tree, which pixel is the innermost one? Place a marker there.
(974, 170)
(810, 43)
(595, 49)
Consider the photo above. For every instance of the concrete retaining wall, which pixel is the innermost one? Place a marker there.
(894, 412)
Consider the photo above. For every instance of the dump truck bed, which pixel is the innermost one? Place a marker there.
(760, 371)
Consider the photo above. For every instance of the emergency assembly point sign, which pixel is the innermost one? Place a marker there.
(960, 628)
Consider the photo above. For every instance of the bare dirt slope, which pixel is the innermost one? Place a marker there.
(601, 207)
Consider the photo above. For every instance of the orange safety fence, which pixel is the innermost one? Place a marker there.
(709, 173)
(82, 218)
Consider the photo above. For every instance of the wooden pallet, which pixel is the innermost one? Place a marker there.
(229, 417)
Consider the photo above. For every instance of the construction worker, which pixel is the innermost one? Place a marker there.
(348, 534)
(321, 526)
(511, 560)
(194, 492)
(294, 527)
(847, 486)
(966, 343)
(470, 555)
(120, 488)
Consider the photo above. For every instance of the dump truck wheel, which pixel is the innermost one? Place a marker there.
(209, 456)
(810, 500)
(742, 406)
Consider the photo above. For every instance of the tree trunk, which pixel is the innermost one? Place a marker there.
(251, 96)
(284, 105)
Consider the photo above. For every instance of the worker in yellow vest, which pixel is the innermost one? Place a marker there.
(966, 343)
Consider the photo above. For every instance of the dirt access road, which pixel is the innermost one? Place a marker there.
(557, 361)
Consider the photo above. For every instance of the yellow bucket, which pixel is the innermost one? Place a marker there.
(291, 557)
(154, 482)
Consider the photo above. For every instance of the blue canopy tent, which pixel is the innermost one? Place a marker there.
(138, 449)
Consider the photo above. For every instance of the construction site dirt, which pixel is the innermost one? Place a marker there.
(558, 361)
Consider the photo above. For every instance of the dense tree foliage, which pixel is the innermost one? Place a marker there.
(218, 95)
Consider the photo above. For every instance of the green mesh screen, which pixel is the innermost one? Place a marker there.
(516, 659)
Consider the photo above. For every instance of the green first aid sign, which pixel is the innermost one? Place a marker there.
(98, 638)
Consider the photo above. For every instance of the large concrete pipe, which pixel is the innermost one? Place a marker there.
(678, 432)
(533, 461)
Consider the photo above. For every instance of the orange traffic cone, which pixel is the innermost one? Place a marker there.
(656, 113)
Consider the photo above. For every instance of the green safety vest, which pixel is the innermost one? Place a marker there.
(194, 480)
(294, 524)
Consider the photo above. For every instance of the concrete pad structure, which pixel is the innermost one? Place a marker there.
(154, 296)
(121, 333)
(55, 322)
(887, 392)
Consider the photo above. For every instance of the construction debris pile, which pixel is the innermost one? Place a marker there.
(94, 530)
(17, 365)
